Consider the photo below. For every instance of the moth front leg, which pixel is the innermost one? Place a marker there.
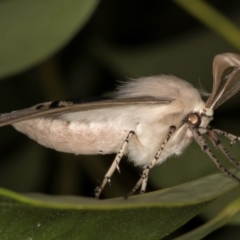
(216, 141)
(230, 136)
(202, 143)
(114, 166)
(144, 177)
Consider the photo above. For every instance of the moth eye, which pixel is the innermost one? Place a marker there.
(195, 119)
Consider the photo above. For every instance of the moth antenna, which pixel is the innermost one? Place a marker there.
(202, 90)
(202, 143)
(216, 141)
(230, 136)
(114, 166)
(144, 176)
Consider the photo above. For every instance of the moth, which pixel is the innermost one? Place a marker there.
(148, 119)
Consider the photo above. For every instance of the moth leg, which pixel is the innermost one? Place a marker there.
(114, 166)
(216, 141)
(144, 176)
(230, 136)
(200, 140)
(144, 182)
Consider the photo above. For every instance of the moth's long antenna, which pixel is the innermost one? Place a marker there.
(200, 140)
(114, 165)
(226, 75)
(144, 177)
(216, 141)
(230, 136)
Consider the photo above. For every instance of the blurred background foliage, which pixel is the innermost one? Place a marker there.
(83, 48)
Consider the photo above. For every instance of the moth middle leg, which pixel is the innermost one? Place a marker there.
(144, 176)
(114, 166)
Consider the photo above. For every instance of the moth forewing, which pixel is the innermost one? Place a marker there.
(58, 108)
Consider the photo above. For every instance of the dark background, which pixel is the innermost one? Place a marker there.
(121, 40)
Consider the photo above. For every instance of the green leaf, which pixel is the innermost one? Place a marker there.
(33, 30)
(221, 219)
(219, 204)
(148, 216)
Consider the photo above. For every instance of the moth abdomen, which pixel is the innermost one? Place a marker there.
(72, 137)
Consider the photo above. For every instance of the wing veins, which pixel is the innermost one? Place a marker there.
(45, 109)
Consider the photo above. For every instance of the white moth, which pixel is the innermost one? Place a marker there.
(148, 119)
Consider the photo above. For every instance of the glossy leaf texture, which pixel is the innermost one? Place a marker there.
(148, 216)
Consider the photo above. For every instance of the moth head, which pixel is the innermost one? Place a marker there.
(201, 119)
